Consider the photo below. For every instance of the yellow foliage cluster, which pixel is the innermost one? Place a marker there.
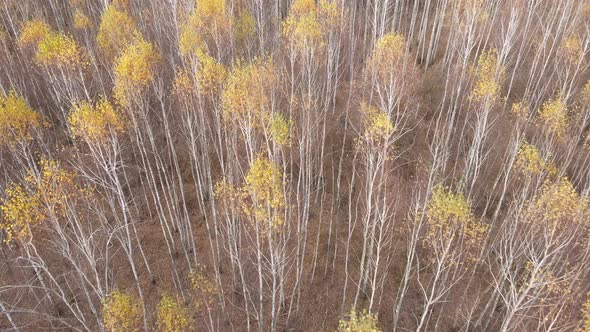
(204, 288)
(134, 68)
(210, 16)
(571, 49)
(557, 206)
(39, 198)
(280, 130)
(60, 50)
(227, 192)
(190, 39)
(520, 111)
(553, 116)
(32, 32)
(263, 182)
(387, 56)
(245, 96)
(586, 314)
(302, 7)
(82, 21)
(359, 322)
(308, 23)
(262, 194)
(172, 315)
(53, 48)
(211, 9)
(20, 210)
(264, 187)
(17, 120)
(55, 186)
(530, 162)
(448, 215)
(213, 16)
(211, 75)
(120, 312)
(117, 29)
(136, 63)
(489, 75)
(378, 125)
(303, 33)
(95, 123)
(245, 27)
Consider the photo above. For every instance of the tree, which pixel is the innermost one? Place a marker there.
(489, 74)
(553, 116)
(43, 197)
(245, 96)
(59, 50)
(531, 277)
(530, 162)
(94, 123)
(264, 189)
(264, 201)
(117, 29)
(236, 159)
(120, 312)
(82, 21)
(374, 150)
(208, 24)
(205, 290)
(453, 236)
(359, 322)
(33, 32)
(134, 70)
(18, 122)
(172, 315)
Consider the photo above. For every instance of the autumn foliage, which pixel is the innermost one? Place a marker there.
(294, 165)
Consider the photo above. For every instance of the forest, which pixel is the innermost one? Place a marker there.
(295, 165)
